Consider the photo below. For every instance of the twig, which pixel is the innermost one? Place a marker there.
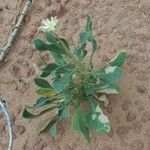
(6, 116)
(14, 31)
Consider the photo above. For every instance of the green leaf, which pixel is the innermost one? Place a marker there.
(59, 44)
(119, 59)
(67, 96)
(89, 23)
(94, 44)
(26, 114)
(63, 113)
(42, 83)
(51, 37)
(53, 131)
(47, 124)
(58, 58)
(56, 49)
(80, 52)
(65, 43)
(111, 74)
(78, 125)
(97, 125)
(84, 36)
(43, 101)
(89, 29)
(96, 119)
(109, 89)
(40, 45)
(53, 48)
(62, 69)
(46, 92)
(63, 82)
(48, 69)
(57, 73)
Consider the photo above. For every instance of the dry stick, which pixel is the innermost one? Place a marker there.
(14, 31)
(6, 116)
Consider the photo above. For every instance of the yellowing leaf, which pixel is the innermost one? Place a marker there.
(46, 92)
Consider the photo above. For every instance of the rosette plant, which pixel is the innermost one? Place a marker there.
(74, 85)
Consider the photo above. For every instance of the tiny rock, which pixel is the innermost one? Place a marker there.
(137, 126)
(1, 8)
(146, 116)
(122, 130)
(15, 71)
(141, 89)
(125, 105)
(137, 145)
(131, 116)
(18, 130)
(147, 132)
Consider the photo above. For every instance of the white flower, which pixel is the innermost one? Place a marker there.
(97, 109)
(94, 116)
(62, 100)
(103, 119)
(110, 69)
(74, 76)
(48, 25)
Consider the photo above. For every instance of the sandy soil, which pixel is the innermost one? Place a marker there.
(118, 24)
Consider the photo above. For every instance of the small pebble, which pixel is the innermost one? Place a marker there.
(131, 116)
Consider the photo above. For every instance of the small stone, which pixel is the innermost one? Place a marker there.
(141, 89)
(17, 110)
(137, 126)
(22, 62)
(107, 147)
(147, 132)
(122, 130)
(13, 118)
(27, 18)
(18, 130)
(105, 58)
(125, 105)
(15, 71)
(142, 76)
(109, 109)
(65, 146)
(137, 145)
(22, 87)
(39, 145)
(63, 2)
(2, 130)
(45, 57)
(4, 146)
(1, 8)
(30, 72)
(61, 130)
(13, 85)
(146, 117)
(29, 53)
(6, 6)
(110, 134)
(131, 116)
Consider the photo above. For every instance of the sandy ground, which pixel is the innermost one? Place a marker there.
(118, 24)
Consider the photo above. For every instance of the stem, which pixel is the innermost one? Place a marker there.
(14, 31)
(6, 116)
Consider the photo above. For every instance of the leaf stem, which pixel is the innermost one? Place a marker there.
(6, 116)
(14, 31)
